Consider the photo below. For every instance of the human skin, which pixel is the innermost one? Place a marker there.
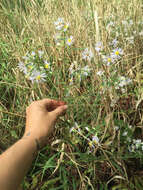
(41, 117)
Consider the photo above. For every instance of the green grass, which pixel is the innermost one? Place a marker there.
(94, 101)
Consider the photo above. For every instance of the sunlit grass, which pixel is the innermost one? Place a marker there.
(93, 61)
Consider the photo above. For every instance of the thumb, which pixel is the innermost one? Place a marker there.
(59, 111)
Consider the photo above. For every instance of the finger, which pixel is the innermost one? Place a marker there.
(59, 111)
(51, 104)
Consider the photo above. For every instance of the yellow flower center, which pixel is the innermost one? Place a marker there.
(90, 144)
(38, 77)
(65, 26)
(95, 142)
(69, 40)
(109, 59)
(117, 53)
(30, 67)
(27, 76)
(46, 66)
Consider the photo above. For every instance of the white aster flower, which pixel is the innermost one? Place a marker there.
(37, 76)
(71, 68)
(87, 128)
(22, 67)
(130, 126)
(116, 128)
(116, 53)
(85, 70)
(71, 81)
(26, 58)
(59, 21)
(125, 133)
(65, 27)
(75, 128)
(123, 90)
(138, 143)
(95, 140)
(59, 27)
(131, 22)
(40, 53)
(100, 73)
(99, 46)
(59, 24)
(70, 41)
(47, 64)
(114, 43)
(107, 59)
(124, 81)
(33, 53)
(87, 54)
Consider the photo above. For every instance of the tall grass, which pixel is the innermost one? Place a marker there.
(106, 104)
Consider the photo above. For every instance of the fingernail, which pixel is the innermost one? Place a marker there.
(65, 106)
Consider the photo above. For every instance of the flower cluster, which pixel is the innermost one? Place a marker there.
(87, 54)
(35, 67)
(60, 37)
(137, 145)
(93, 140)
(122, 82)
(76, 72)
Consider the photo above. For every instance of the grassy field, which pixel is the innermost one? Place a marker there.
(88, 53)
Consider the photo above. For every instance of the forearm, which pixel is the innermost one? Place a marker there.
(15, 162)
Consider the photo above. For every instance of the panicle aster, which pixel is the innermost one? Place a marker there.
(108, 59)
(99, 46)
(85, 70)
(75, 128)
(59, 24)
(26, 58)
(87, 54)
(37, 76)
(71, 68)
(65, 27)
(59, 21)
(116, 53)
(71, 81)
(114, 43)
(22, 67)
(41, 53)
(95, 140)
(124, 81)
(131, 22)
(47, 64)
(100, 73)
(33, 53)
(125, 133)
(70, 41)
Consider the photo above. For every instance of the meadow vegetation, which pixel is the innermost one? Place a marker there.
(88, 53)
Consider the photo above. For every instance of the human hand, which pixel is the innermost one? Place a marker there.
(41, 117)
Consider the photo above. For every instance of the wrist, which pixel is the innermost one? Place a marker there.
(32, 141)
(39, 141)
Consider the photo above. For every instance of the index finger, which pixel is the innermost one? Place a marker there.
(51, 104)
